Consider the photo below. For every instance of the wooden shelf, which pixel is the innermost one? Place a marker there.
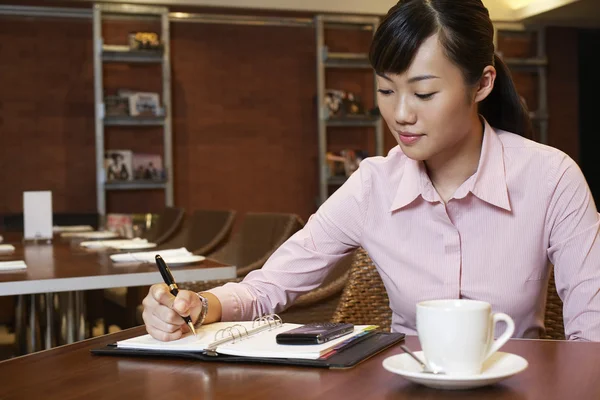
(134, 121)
(353, 121)
(346, 60)
(135, 185)
(114, 53)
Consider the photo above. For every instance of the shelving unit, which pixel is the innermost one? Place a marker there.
(326, 60)
(135, 185)
(117, 53)
(107, 53)
(538, 64)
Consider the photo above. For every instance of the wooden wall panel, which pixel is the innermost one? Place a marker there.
(46, 113)
(243, 104)
(563, 90)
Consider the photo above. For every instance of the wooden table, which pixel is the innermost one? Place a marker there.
(557, 370)
(64, 266)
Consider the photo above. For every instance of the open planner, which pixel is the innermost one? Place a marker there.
(254, 341)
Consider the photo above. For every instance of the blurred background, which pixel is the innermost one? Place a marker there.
(123, 109)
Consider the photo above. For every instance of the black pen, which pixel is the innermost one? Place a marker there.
(170, 281)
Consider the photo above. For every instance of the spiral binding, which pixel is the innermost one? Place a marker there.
(230, 331)
(236, 332)
(273, 320)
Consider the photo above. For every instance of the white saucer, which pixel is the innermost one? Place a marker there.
(498, 367)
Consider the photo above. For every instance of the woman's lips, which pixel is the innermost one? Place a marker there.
(409, 138)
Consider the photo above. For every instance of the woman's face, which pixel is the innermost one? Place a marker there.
(427, 108)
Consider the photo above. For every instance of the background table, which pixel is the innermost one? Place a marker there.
(557, 370)
(64, 266)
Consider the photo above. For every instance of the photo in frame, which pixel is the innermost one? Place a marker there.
(118, 165)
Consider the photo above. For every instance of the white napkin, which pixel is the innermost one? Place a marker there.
(72, 228)
(12, 265)
(90, 234)
(148, 256)
(97, 244)
(6, 248)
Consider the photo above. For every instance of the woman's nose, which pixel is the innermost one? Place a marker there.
(404, 113)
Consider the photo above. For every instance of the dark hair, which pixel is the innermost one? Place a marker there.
(466, 33)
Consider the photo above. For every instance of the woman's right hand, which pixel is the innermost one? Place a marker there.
(163, 312)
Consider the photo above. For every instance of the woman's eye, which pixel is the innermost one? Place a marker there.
(384, 92)
(425, 96)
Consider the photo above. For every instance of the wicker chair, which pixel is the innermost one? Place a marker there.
(203, 232)
(320, 304)
(553, 320)
(365, 301)
(259, 235)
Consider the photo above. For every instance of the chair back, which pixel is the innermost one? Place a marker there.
(258, 236)
(167, 224)
(553, 318)
(320, 304)
(203, 232)
(364, 300)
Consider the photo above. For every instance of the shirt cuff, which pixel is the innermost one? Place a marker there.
(230, 304)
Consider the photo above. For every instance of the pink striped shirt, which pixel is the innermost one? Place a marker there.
(527, 204)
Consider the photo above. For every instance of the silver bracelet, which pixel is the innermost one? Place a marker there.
(204, 310)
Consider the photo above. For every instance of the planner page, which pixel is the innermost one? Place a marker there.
(264, 345)
(205, 336)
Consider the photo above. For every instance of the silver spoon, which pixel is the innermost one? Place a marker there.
(424, 366)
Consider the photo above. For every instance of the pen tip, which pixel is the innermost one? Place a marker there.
(192, 328)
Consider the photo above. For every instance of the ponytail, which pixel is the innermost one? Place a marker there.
(503, 108)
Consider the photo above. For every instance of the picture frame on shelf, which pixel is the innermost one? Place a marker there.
(116, 106)
(145, 104)
(148, 167)
(118, 165)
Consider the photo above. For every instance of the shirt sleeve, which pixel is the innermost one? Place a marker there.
(574, 249)
(303, 261)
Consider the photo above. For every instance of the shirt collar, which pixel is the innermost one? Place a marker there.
(490, 178)
(412, 184)
(488, 183)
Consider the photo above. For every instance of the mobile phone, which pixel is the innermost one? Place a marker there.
(315, 333)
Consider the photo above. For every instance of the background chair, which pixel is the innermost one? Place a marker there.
(119, 304)
(168, 222)
(203, 232)
(258, 236)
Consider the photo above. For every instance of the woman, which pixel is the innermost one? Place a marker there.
(462, 208)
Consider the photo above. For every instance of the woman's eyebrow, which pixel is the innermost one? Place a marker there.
(422, 78)
(411, 80)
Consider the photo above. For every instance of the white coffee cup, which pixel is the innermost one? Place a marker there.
(457, 336)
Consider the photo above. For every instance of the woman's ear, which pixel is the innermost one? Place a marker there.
(486, 84)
